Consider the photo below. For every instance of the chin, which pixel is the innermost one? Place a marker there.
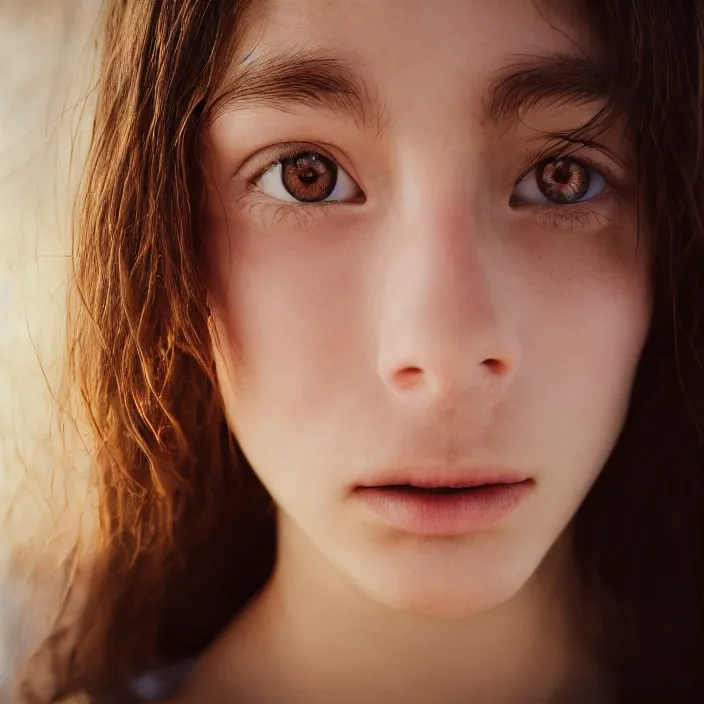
(455, 593)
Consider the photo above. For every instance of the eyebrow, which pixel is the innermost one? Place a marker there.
(321, 80)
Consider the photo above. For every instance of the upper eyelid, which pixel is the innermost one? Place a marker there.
(617, 177)
(281, 152)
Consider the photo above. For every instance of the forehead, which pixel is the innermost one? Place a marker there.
(425, 47)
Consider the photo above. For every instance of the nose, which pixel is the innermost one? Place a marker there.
(444, 332)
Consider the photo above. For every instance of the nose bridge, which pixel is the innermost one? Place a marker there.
(444, 284)
(443, 330)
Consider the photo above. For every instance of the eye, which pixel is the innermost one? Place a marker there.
(559, 181)
(307, 177)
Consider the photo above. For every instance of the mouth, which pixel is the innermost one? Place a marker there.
(432, 509)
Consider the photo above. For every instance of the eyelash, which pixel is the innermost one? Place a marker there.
(575, 216)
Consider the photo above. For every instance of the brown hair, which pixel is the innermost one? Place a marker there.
(187, 532)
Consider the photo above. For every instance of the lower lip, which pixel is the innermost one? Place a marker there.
(435, 514)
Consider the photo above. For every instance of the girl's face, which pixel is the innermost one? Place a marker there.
(406, 285)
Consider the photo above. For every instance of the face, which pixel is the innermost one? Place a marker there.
(404, 282)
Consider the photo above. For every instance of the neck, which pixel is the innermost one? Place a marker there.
(312, 635)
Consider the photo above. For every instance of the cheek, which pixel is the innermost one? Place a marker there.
(595, 328)
(290, 359)
(587, 302)
(291, 327)
(582, 354)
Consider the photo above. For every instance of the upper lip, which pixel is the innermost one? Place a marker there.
(435, 478)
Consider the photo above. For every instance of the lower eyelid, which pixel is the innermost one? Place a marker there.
(264, 207)
(273, 213)
(567, 220)
(582, 215)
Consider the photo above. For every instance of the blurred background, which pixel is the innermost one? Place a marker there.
(47, 62)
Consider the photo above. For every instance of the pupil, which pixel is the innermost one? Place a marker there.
(308, 176)
(564, 180)
(562, 174)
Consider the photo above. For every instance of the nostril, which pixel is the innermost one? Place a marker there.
(409, 377)
(495, 366)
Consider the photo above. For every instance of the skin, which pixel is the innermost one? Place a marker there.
(436, 325)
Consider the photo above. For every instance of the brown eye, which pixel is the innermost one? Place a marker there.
(563, 180)
(559, 181)
(309, 177)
